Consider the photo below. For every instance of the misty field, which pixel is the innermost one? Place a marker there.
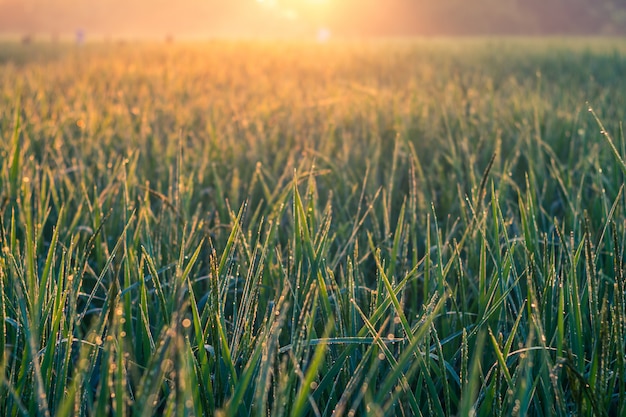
(429, 228)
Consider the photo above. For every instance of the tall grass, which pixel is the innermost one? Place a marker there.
(417, 228)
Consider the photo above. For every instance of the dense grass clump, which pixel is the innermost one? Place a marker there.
(288, 229)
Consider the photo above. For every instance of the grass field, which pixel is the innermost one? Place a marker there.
(431, 228)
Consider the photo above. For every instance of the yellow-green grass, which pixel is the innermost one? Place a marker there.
(286, 228)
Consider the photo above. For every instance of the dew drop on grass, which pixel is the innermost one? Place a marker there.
(167, 365)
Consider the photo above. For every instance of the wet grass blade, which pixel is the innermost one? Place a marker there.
(14, 170)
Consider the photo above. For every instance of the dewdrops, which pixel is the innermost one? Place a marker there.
(167, 365)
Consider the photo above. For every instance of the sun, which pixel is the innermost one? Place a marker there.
(312, 17)
(294, 2)
(304, 4)
(317, 9)
(314, 11)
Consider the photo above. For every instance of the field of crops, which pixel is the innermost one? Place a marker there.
(431, 228)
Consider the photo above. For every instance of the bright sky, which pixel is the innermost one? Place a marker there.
(201, 17)
(153, 17)
(295, 9)
(249, 18)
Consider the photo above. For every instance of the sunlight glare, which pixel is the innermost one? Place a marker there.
(323, 35)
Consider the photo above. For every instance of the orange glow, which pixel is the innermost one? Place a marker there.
(289, 18)
(313, 12)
